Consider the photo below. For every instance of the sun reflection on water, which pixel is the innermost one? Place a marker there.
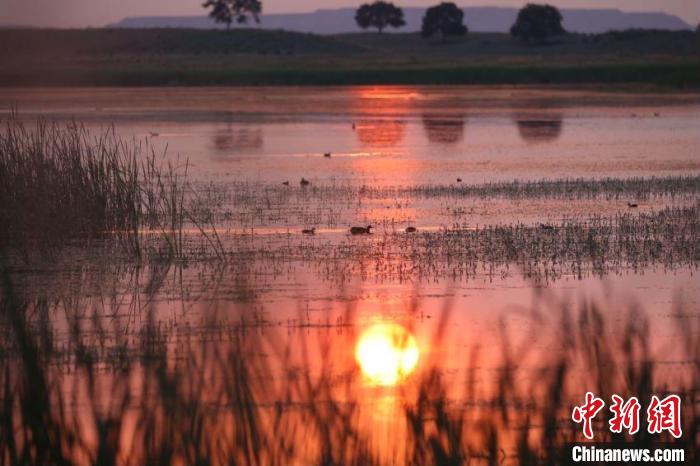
(386, 353)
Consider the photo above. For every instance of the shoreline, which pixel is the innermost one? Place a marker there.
(182, 57)
(684, 76)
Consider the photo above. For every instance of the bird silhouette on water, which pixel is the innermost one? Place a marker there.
(361, 230)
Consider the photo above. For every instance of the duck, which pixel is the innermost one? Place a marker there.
(285, 183)
(459, 180)
(361, 230)
(411, 229)
(327, 155)
(546, 227)
(304, 182)
(632, 205)
(153, 134)
(308, 231)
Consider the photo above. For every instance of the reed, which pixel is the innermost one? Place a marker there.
(98, 395)
(607, 188)
(62, 185)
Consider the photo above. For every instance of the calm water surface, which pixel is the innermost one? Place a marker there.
(392, 137)
(398, 137)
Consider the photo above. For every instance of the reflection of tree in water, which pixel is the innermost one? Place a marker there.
(380, 133)
(443, 129)
(238, 139)
(540, 130)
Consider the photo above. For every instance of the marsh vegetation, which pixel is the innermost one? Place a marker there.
(154, 314)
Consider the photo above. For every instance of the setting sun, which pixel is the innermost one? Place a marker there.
(386, 353)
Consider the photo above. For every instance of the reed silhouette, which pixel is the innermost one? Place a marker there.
(103, 394)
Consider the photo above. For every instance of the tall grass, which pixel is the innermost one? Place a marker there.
(60, 184)
(239, 397)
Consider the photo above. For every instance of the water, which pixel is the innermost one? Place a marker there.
(388, 138)
(402, 135)
(318, 293)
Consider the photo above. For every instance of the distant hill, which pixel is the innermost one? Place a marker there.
(478, 19)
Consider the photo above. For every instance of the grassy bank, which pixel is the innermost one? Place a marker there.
(157, 57)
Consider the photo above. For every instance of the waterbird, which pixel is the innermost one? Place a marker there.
(546, 227)
(632, 205)
(361, 230)
(411, 229)
(353, 126)
(327, 154)
(459, 180)
(286, 183)
(304, 182)
(309, 231)
(154, 134)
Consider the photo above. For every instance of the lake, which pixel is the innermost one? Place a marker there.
(550, 223)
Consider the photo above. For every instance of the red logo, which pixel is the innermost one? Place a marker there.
(586, 412)
(662, 415)
(625, 415)
(665, 415)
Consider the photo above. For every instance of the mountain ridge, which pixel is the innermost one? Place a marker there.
(477, 19)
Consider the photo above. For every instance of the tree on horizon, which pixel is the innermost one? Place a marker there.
(379, 15)
(445, 19)
(537, 23)
(227, 11)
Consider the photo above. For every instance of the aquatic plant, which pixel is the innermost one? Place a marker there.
(98, 394)
(60, 185)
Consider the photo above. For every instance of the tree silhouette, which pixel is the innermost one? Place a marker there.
(380, 134)
(540, 131)
(227, 11)
(443, 129)
(379, 15)
(537, 23)
(445, 19)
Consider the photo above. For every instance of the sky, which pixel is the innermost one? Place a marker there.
(96, 13)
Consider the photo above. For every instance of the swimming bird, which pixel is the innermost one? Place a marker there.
(327, 155)
(353, 126)
(546, 227)
(632, 205)
(153, 134)
(286, 183)
(411, 229)
(304, 182)
(459, 180)
(361, 230)
(309, 231)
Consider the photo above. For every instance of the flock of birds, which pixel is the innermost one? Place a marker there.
(358, 230)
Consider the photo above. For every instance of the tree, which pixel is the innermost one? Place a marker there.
(537, 23)
(379, 15)
(445, 19)
(226, 11)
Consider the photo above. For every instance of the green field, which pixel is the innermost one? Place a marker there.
(154, 57)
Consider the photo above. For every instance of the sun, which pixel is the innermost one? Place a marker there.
(386, 353)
